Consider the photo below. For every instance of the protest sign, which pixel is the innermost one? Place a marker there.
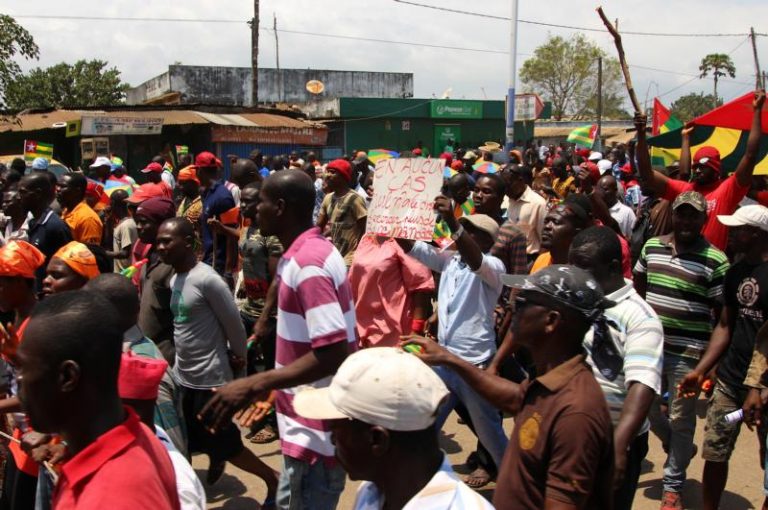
(404, 192)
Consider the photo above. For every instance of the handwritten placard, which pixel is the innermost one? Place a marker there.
(404, 192)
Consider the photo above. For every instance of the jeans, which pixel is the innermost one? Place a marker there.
(676, 432)
(485, 418)
(304, 486)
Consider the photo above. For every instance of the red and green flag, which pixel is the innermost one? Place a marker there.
(34, 149)
(663, 122)
(584, 136)
(725, 128)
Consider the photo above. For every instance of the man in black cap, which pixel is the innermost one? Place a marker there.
(560, 453)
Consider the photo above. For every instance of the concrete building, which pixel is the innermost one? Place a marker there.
(232, 86)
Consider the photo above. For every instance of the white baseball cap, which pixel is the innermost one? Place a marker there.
(101, 161)
(604, 165)
(595, 156)
(382, 386)
(753, 215)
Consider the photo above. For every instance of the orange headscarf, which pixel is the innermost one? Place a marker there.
(19, 258)
(78, 257)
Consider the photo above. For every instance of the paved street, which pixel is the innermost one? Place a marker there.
(240, 491)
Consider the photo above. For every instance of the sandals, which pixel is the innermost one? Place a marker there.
(265, 435)
(478, 478)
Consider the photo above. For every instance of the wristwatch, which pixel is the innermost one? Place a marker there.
(455, 236)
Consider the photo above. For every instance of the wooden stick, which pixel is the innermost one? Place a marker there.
(9, 437)
(51, 471)
(46, 464)
(758, 82)
(622, 59)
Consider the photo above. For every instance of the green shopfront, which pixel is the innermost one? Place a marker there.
(401, 124)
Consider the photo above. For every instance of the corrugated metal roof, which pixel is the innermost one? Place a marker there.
(38, 121)
(226, 119)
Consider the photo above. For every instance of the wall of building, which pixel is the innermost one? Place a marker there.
(232, 85)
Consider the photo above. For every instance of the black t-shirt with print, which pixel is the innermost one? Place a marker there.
(746, 292)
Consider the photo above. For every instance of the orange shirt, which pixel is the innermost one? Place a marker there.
(85, 223)
(542, 261)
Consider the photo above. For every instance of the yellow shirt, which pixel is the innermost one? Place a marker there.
(84, 223)
(542, 261)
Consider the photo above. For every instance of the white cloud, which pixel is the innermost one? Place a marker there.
(142, 50)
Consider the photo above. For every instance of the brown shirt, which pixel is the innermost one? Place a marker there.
(562, 444)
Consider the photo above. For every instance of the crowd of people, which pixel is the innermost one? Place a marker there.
(591, 298)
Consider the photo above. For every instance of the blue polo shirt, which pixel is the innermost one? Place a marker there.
(217, 200)
(47, 233)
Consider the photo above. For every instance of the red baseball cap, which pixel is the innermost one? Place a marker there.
(594, 171)
(207, 159)
(708, 156)
(147, 191)
(343, 167)
(416, 152)
(152, 167)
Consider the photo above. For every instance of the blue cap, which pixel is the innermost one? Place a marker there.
(40, 164)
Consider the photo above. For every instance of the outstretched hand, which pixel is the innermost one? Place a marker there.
(227, 400)
(690, 385)
(429, 352)
(759, 100)
(640, 120)
(9, 341)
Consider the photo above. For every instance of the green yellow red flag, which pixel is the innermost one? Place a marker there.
(34, 149)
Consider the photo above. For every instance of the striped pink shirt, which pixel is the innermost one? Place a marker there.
(314, 309)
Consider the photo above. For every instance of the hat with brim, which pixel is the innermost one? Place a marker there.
(692, 198)
(101, 161)
(567, 285)
(482, 222)
(750, 215)
(381, 386)
(469, 155)
(490, 147)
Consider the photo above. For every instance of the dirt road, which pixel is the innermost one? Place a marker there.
(240, 491)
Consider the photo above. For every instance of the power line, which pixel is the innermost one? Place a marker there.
(699, 76)
(435, 7)
(332, 36)
(569, 27)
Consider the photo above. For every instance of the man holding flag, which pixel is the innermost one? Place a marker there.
(723, 196)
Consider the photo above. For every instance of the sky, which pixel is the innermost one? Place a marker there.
(663, 66)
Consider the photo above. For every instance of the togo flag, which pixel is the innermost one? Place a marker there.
(33, 149)
(584, 136)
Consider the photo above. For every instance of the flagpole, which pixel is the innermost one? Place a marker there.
(510, 131)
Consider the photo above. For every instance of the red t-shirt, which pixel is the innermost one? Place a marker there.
(125, 468)
(722, 198)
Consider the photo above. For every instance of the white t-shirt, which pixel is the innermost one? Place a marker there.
(188, 485)
(624, 216)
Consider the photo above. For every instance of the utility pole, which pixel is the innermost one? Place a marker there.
(255, 54)
(510, 132)
(277, 59)
(598, 140)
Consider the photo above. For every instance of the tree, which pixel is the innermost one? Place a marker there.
(690, 106)
(14, 41)
(564, 71)
(85, 83)
(719, 64)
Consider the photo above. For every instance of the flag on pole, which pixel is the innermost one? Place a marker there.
(663, 122)
(33, 150)
(584, 136)
(725, 128)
